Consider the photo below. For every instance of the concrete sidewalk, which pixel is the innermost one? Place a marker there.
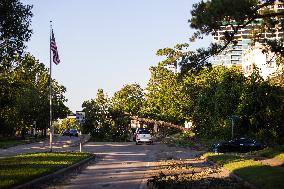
(60, 143)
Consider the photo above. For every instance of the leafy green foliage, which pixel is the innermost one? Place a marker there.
(15, 21)
(129, 99)
(220, 92)
(104, 121)
(22, 168)
(164, 96)
(215, 96)
(66, 124)
(97, 121)
(24, 97)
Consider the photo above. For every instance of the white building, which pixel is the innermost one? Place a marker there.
(171, 67)
(266, 62)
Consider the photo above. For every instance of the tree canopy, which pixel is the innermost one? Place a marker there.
(15, 21)
(129, 99)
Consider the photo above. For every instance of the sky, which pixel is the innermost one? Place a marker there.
(106, 44)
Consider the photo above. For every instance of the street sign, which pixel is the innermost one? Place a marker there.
(187, 124)
(80, 116)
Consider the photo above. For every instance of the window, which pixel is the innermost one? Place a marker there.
(235, 57)
(235, 61)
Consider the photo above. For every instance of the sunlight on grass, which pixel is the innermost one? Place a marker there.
(22, 168)
(255, 172)
(280, 156)
(272, 152)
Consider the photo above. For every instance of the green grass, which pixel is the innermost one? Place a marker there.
(272, 152)
(260, 175)
(10, 143)
(7, 143)
(22, 168)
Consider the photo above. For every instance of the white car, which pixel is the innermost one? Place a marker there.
(143, 136)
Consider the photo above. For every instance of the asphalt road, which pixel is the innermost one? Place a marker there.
(122, 165)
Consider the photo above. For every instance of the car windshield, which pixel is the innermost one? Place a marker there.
(143, 132)
(244, 140)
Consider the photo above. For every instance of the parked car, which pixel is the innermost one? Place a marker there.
(143, 136)
(66, 133)
(136, 131)
(71, 132)
(238, 145)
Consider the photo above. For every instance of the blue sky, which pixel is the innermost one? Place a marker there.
(106, 43)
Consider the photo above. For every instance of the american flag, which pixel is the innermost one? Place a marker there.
(53, 48)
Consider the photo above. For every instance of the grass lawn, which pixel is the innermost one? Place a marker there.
(262, 176)
(22, 168)
(272, 152)
(9, 143)
(14, 142)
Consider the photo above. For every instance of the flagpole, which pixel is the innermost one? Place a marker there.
(50, 92)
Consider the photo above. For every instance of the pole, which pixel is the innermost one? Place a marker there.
(233, 122)
(80, 136)
(50, 92)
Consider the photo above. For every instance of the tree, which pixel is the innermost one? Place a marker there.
(59, 109)
(26, 97)
(15, 20)
(129, 99)
(262, 105)
(64, 124)
(214, 94)
(164, 96)
(98, 120)
(126, 102)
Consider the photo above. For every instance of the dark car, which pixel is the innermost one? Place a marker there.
(66, 133)
(238, 145)
(71, 132)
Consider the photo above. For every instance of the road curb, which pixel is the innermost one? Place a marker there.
(233, 175)
(51, 176)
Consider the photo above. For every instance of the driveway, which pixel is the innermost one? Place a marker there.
(122, 165)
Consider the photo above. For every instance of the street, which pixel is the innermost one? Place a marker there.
(123, 165)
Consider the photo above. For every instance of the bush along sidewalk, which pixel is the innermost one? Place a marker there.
(22, 168)
(253, 171)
